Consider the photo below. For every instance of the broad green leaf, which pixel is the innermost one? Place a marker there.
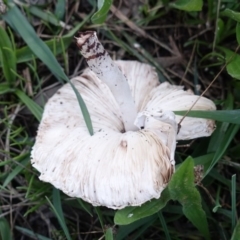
(182, 188)
(236, 232)
(16, 170)
(7, 57)
(132, 214)
(15, 18)
(188, 5)
(231, 14)
(234, 63)
(31, 234)
(60, 220)
(238, 32)
(103, 8)
(33, 107)
(5, 231)
(230, 116)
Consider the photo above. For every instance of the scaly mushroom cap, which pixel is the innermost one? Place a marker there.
(113, 168)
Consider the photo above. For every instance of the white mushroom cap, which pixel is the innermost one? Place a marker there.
(174, 98)
(112, 168)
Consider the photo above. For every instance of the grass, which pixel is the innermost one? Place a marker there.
(186, 47)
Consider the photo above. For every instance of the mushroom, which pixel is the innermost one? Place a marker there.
(130, 158)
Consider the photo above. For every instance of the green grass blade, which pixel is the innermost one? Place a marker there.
(58, 207)
(60, 9)
(16, 170)
(164, 225)
(7, 57)
(5, 231)
(236, 232)
(234, 205)
(34, 108)
(84, 206)
(230, 116)
(103, 8)
(231, 14)
(188, 5)
(61, 220)
(4, 88)
(31, 234)
(100, 218)
(25, 54)
(46, 16)
(84, 110)
(15, 18)
(223, 144)
(124, 231)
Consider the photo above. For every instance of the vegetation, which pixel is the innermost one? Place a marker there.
(190, 42)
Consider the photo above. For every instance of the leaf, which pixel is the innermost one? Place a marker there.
(103, 8)
(234, 63)
(84, 110)
(124, 231)
(5, 88)
(25, 54)
(7, 57)
(46, 16)
(61, 220)
(222, 144)
(85, 206)
(220, 30)
(131, 214)
(236, 232)
(5, 231)
(233, 205)
(16, 170)
(182, 188)
(60, 9)
(58, 207)
(188, 5)
(230, 116)
(34, 108)
(100, 217)
(238, 32)
(31, 234)
(231, 14)
(15, 19)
